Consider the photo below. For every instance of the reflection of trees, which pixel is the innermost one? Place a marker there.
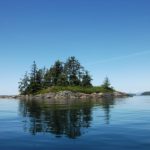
(106, 105)
(67, 120)
(60, 120)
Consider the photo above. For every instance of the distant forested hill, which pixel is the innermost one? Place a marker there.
(146, 93)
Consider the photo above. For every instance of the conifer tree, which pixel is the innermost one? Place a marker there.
(106, 84)
(60, 74)
(56, 71)
(86, 80)
(34, 85)
(73, 71)
(24, 84)
(48, 78)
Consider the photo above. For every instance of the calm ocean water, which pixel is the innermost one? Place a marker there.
(122, 124)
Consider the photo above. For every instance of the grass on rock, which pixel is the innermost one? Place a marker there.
(86, 90)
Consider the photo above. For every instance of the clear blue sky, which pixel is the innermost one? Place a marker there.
(110, 38)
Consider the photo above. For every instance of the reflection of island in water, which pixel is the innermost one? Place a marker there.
(60, 120)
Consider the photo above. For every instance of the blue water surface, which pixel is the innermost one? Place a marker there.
(106, 124)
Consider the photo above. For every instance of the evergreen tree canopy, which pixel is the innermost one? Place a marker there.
(106, 84)
(24, 84)
(86, 80)
(69, 73)
(74, 71)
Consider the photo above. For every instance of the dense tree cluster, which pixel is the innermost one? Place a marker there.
(70, 73)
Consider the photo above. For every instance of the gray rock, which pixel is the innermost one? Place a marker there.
(66, 96)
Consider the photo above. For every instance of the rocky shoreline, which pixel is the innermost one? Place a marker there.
(66, 95)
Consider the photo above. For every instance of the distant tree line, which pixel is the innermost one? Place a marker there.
(69, 73)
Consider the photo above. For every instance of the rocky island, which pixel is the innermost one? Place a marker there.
(64, 81)
(68, 95)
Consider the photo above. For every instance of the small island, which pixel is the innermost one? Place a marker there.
(64, 80)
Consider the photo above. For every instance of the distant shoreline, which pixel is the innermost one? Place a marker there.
(8, 96)
(147, 93)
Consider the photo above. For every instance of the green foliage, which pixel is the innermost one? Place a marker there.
(56, 72)
(61, 76)
(62, 80)
(86, 80)
(87, 90)
(36, 79)
(24, 84)
(48, 78)
(74, 71)
(106, 84)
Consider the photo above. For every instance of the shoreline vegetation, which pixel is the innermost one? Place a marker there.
(63, 80)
